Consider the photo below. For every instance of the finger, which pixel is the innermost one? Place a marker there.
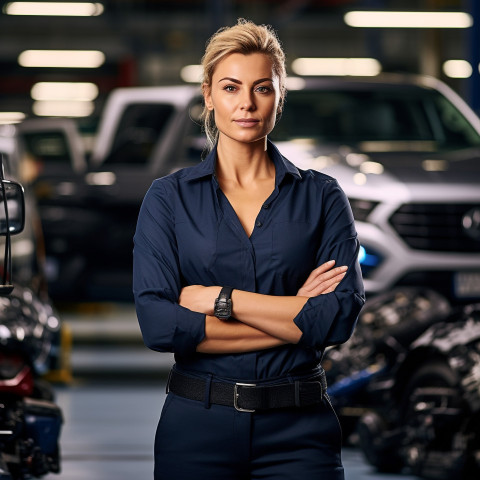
(324, 277)
(324, 267)
(326, 285)
(331, 288)
(321, 269)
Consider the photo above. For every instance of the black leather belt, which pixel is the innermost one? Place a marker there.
(248, 397)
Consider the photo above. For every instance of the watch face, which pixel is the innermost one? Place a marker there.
(223, 309)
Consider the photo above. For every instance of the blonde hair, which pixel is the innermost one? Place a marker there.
(245, 37)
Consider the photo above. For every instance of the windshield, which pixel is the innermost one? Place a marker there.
(388, 119)
(47, 146)
(138, 131)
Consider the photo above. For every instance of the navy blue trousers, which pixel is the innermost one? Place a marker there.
(220, 443)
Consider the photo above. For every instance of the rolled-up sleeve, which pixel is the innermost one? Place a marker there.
(165, 325)
(330, 319)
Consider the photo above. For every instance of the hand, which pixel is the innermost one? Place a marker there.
(324, 279)
(199, 298)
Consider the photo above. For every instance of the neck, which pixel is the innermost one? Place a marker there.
(243, 162)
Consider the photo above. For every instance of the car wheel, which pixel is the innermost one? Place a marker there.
(376, 443)
(435, 421)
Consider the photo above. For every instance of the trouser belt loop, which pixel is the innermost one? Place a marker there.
(208, 385)
(297, 393)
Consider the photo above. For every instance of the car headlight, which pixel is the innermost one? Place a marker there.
(369, 260)
(361, 208)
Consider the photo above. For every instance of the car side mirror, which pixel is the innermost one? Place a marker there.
(12, 221)
(12, 208)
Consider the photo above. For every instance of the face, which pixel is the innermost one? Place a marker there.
(244, 94)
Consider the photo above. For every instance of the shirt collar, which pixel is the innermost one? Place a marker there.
(282, 165)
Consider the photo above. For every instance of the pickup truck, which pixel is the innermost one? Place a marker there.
(89, 214)
(406, 150)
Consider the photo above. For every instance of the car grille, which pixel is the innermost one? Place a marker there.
(435, 227)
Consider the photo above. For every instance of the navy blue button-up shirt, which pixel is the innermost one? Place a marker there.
(188, 234)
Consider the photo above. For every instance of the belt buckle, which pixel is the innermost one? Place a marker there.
(236, 394)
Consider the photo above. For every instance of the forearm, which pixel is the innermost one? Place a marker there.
(271, 314)
(234, 337)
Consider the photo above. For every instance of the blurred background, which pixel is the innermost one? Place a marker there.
(130, 43)
(97, 99)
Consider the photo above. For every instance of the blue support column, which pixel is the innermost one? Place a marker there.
(473, 98)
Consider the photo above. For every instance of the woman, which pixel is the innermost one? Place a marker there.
(246, 268)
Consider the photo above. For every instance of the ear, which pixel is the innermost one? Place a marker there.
(207, 96)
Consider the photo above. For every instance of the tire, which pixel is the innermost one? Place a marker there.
(372, 432)
(428, 446)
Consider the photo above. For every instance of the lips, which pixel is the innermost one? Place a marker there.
(246, 122)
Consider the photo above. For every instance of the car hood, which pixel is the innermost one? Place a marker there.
(404, 174)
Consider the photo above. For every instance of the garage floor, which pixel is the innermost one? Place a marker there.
(114, 401)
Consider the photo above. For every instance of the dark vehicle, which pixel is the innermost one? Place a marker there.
(89, 217)
(29, 344)
(408, 384)
(52, 153)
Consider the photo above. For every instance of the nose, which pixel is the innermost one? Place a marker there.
(247, 101)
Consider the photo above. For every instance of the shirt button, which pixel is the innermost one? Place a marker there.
(258, 223)
(266, 205)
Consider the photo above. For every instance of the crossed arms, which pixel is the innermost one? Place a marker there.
(261, 321)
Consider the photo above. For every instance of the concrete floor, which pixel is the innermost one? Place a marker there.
(112, 406)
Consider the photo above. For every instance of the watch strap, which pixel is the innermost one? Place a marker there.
(225, 293)
(223, 304)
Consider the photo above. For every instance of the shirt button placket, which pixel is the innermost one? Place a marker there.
(260, 220)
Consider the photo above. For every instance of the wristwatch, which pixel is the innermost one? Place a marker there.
(223, 304)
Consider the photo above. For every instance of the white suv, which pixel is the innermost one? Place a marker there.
(406, 151)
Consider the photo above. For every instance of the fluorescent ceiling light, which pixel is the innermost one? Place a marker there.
(62, 109)
(78, 91)
(457, 69)
(11, 117)
(295, 83)
(61, 58)
(61, 9)
(408, 19)
(192, 73)
(366, 67)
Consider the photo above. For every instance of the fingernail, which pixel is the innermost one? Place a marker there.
(330, 262)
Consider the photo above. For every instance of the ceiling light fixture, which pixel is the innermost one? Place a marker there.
(60, 9)
(7, 118)
(61, 58)
(457, 69)
(78, 91)
(295, 83)
(365, 67)
(192, 73)
(60, 108)
(387, 19)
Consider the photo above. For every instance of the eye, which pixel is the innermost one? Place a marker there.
(263, 89)
(230, 88)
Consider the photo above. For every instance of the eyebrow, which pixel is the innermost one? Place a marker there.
(256, 82)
